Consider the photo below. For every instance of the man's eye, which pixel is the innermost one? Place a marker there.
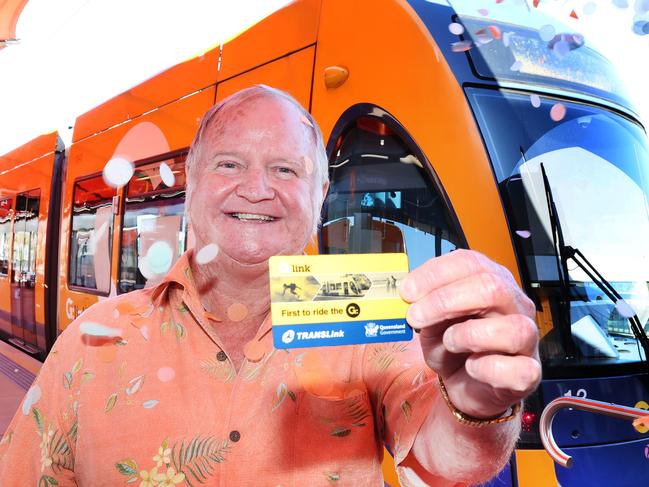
(286, 170)
(227, 164)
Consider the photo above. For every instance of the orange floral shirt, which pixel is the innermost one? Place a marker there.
(138, 390)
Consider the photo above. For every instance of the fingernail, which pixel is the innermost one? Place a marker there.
(471, 367)
(414, 315)
(407, 289)
(449, 340)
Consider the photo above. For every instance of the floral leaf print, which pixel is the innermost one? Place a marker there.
(38, 417)
(282, 391)
(110, 402)
(134, 385)
(150, 404)
(164, 326)
(419, 379)
(183, 309)
(292, 395)
(220, 370)
(196, 460)
(383, 355)
(357, 410)
(46, 481)
(406, 409)
(332, 476)
(77, 366)
(128, 466)
(87, 376)
(67, 380)
(180, 331)
(341, 431)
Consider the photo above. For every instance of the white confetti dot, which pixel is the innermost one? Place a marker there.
(167, 175)
(97, 330)
(547, 32)
(507, 38)
(159, 257)
(455, 28)
(31, 398)
(624, 308)
(517, 66)
(117, 172)
(590, 8)
(557, 112)
(535, 100)
(207, 254)
(461, 46)
(524, 233)
(561, 49)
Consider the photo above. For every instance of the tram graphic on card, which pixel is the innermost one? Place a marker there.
(342, 299)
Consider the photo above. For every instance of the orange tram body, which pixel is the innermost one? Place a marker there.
(436, 140)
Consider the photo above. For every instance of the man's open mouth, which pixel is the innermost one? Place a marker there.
(252, 217)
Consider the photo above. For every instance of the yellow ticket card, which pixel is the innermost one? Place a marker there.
(343, 299)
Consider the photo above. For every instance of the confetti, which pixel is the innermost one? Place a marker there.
(621, 3)
(483, 11)
(159, 257)
(573, 14)
(166, 374)
(308, 165)
(455, 28)
(495, 32)
(97, 330)
(535, 100)
(561, 49)
(507, 38)
(547, 32)
(557, 112)
(641, 27)
(207, 254)
(624, 308)
(517, 66)
(461, 46)
(305, 121)
(167, 175)
(117, 172)
(31, 398)
(237, 311)
(590, 8)
(524, 233)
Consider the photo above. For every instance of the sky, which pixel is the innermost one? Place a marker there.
(76, 54)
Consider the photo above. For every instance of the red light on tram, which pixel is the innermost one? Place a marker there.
(527, 420)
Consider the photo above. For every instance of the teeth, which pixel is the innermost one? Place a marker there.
(252, 216)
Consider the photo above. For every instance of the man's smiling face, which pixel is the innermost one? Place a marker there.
(254, 182)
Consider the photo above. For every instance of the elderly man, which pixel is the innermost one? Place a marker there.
(180, 383)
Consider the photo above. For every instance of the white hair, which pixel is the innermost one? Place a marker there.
(218, 115)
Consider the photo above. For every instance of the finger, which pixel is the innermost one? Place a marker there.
(483, 294)
(443, 270)
(512, 334)
(520, 374)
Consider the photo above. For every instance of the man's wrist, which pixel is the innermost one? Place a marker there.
(463, 418)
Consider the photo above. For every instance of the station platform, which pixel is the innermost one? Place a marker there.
(17, 372)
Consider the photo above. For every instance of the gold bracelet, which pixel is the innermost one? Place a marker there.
(464, 418)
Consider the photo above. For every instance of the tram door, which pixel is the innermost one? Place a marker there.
(23, 275)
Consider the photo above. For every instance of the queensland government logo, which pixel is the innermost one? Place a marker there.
(371, 329)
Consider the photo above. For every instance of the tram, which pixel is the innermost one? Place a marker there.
(489, 135)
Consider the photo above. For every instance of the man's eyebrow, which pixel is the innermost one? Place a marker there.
(225, 154)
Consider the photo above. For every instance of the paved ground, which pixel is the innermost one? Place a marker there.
(17, 371)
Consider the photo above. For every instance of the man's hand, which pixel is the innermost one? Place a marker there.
(477, 331)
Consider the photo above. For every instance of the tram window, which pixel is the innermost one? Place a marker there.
(382, 200)
(25, 238)
(153, 214)
(5, 235)
(92, 234)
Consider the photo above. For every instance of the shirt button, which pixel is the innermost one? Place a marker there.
(235, 436)
(221, 356)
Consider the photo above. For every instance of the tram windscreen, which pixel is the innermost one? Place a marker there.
(597, 175)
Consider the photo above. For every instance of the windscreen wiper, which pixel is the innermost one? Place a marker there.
(566, 252)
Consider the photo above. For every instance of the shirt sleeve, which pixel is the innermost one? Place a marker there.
(37, 448)
(403, 391)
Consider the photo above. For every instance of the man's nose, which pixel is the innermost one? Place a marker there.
(255, 186)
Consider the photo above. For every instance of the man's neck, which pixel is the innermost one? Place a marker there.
(224, 282)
